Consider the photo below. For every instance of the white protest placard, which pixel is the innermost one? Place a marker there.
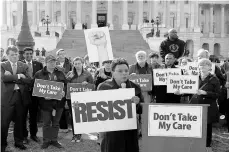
(175, 121)
(213, 68)
(192, 68)
(160, 75)
(98, 44)
(185, 83)
(102, 111)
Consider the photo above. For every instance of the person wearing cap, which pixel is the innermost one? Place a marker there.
(103, 73)
(172, 45)
(51, 109)
(32, 108)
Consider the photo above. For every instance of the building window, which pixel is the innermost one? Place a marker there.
(145, 1)
(186, 2)
(186, 22)
(202, 12)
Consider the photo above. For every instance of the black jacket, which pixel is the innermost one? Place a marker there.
(212, 86)
(177, 48)
(49, 105)
(99, 79)
(124, 140)
(163, 97)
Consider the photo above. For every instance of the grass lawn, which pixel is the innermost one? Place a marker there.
(220, 143)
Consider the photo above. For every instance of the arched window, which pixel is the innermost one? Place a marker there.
(172, 19)
(42, 16)
(190, 47)
(14, 18)
(186, 16)
(58, 17)
(130, 18)
(145, 16)
(205, 46)
(217, 49)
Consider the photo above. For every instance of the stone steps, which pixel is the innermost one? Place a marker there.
(124, 43)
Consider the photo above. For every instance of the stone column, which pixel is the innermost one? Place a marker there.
(125, 25)
(168, 15)
(197, 13)
(150, 10)
(63, 13)
(48, 10)
(178, 14)
(222, 21)
(109, 14)
(182, 23)
(211, 34)
(34, 25)
(78, 25)
(140, 14)
(94, 15)
(19, 14)
(164, 14)
(4, 16)
(53, 12)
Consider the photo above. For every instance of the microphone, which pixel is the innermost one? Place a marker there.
(123, 85)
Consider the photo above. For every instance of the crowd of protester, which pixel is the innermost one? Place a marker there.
(17, 101)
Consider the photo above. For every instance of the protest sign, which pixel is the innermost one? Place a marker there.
(191, 68)
(175, 121)
(185, 83)
(213, 68)
(160, 75)
(98, 44)
(78, 87)
(102, 111)
(144, 80)
(48, 89)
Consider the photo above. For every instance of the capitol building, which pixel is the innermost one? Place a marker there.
(202, 24)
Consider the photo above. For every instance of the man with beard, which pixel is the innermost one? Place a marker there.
(172, 45)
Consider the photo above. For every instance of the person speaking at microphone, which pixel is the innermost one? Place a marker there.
(125, 140)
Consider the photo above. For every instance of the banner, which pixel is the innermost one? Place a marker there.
(102, 111)
(191, 69)
(48, 89)
(78, 87)
(160, 75)
(175, 121)
(98, 43)
(185, 83)
(144, 80)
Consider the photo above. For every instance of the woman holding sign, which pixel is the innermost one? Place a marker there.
(126, 140)
(209, 90)
(78, 75)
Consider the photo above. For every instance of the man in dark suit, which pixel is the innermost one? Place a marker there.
(15, 76)
(32, 108)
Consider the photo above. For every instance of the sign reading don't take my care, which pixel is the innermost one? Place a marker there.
(48, 89)
(144, 80)
(78, 87)
(175, 121)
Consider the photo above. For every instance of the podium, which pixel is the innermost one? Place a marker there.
(174, 127)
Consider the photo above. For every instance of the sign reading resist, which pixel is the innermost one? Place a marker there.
(185, 83)
(144, 80)
(102, 111)
(160, 75)
(175, 121)
(49, 89)
(78, 87)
